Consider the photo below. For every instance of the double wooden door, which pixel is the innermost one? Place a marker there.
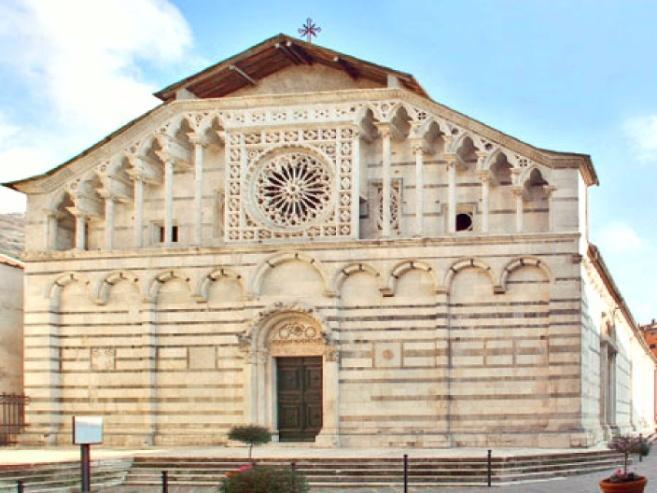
(299, 382)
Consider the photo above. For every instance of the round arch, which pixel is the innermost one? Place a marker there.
(523, 262)
(288, 329)
(272, 261)
(214, 276)
(468, 263)
(110, 280)
(341, 276)
(156, 282)
(407, 265)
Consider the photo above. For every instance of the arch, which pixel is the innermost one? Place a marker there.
(468, 263)
(341, 276)
(209, 121)
(215, 275)
(401, 268)
(105, 285)
(530, 172)
(459, 141)
(55, 289)
(156, 282)
(491, 158)
(145, 147)
(385, 111)
(280, 258)
(522, 262)
(286, 147)
(270, 336)
(255, 335)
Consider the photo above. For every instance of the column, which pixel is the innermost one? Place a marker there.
(198, 191)
(484, 176)
(51, 229)
(517, 191)
(329, 435)
(80, 231)
(386, 187)
(149, 344)
(355, 194)
(109, 222)
(168, 201)
(139, 212)
(451, 195)
(549, 192)
(419, 188)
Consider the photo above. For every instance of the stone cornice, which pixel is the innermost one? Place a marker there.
(31, 258)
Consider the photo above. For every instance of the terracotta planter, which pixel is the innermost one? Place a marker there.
(635, 486)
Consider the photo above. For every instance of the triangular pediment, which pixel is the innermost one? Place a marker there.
(305, 67)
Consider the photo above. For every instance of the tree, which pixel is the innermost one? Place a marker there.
(250, 435)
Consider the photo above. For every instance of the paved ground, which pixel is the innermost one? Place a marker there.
(18, 455)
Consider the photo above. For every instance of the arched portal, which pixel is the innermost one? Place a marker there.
(291, 375)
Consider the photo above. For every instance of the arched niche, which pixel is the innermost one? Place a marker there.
(61, 225)
(413, 279)
(360, 284)
(536, 193)
(290, 274)
(288, 330)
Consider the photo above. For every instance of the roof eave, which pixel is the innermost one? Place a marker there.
(169, 92)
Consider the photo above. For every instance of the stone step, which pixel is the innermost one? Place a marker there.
(427, 469)
(360, 472)
(62, 476)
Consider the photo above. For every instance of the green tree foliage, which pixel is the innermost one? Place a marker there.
(263, 479)
(250, 435)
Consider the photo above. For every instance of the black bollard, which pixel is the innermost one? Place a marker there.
(405, 473)
(165, 482)
(490, 468)
(19, 486)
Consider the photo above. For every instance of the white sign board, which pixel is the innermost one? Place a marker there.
(87, 430)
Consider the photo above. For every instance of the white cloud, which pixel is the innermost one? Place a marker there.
(79, 62)
(618, 237)
(642, 134)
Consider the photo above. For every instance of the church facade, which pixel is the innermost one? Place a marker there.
(304, 240)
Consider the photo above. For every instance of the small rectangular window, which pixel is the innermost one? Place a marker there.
(174, 234)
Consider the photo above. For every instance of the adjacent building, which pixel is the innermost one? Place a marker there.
(305, 240)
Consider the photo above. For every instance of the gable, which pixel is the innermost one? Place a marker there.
(275, 54)
(306, 78)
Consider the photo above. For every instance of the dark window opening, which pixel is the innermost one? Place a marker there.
(652, 346)
(174, 234)
(463, 222)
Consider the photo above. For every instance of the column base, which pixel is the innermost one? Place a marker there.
(328, 438)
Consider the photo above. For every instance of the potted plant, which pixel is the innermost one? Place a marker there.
(250, 435)
(623, 480)
(265, 479)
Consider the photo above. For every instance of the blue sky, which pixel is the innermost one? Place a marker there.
(567, 75)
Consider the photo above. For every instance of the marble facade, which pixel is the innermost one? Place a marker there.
(440, 268)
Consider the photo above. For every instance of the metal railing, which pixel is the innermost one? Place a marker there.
(12, 416)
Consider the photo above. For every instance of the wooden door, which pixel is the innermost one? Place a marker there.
(299, 382)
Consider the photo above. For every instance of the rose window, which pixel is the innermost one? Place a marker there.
(292, 190)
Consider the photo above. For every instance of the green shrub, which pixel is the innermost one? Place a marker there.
(250, 435)
(264, 479)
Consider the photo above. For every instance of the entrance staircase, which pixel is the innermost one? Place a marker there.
(369, 472)
(62, 477)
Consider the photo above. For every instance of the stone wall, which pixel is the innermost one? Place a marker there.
(470, 343)
(11, 326)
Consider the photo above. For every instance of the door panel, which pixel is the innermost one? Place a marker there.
(299, 398)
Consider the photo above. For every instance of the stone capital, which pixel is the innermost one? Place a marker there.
(389, 129)
(484, 175)
(420, 144)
